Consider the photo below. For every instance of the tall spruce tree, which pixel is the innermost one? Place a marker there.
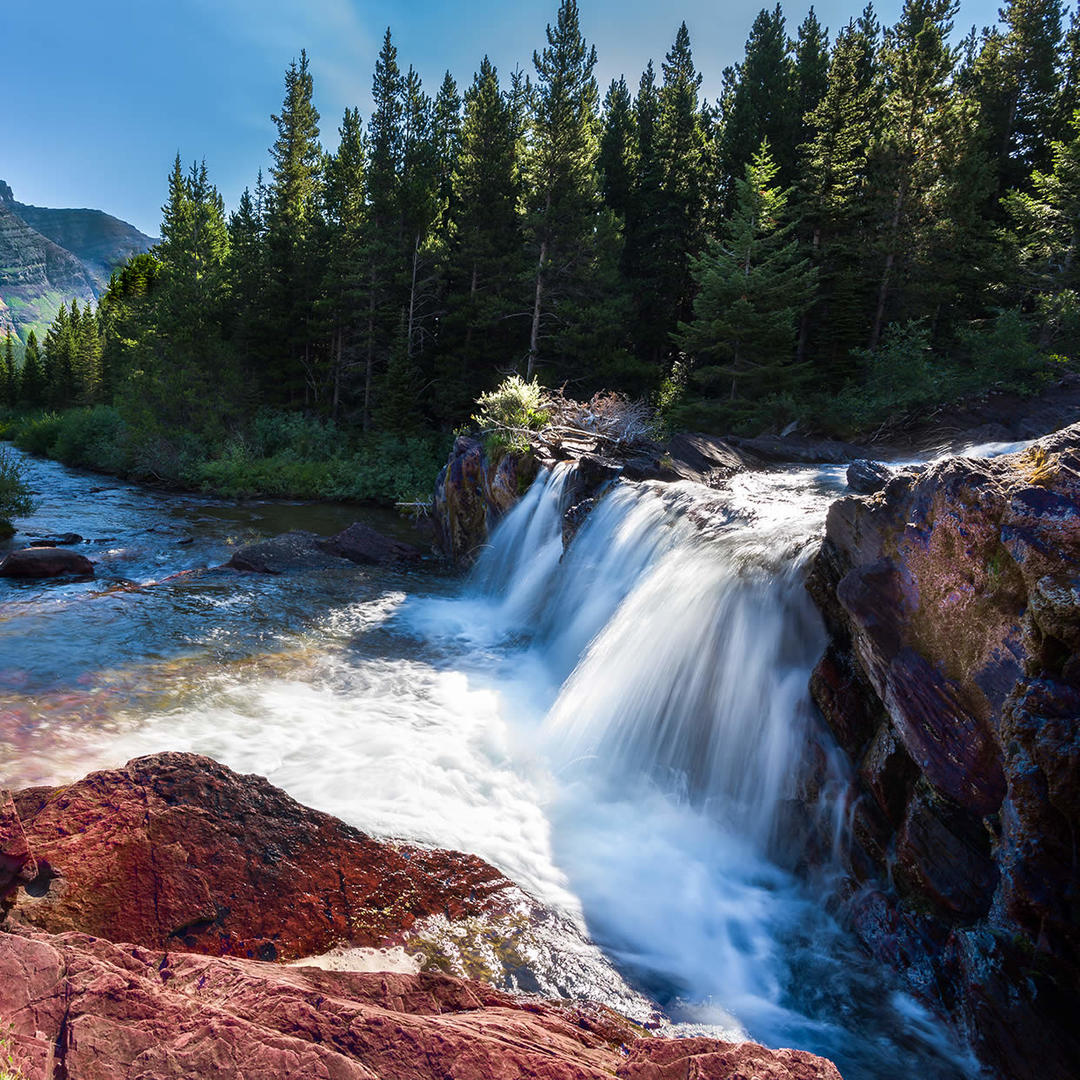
(760, 104)
(915, 128)
(617, 159)
(9, 377)
(484, 326)
(753, 285)
(293, 273)
(835, 199)
(382, 248)
(564, 197)
(674, 221)
(32, 377)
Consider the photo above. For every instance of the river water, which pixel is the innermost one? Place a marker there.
(617, 728)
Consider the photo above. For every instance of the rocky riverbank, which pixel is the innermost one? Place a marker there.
(144, 907)
(953, 686)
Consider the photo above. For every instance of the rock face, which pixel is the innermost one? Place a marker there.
(142, 904)
(474, 491)
(48, 257)
(85, 1009)
(176, 851)
(45, 562)
(952, 681)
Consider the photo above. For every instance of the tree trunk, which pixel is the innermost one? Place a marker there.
(369, 374)
(534, 335)
(890, 260)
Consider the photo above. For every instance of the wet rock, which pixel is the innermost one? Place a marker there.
(795, 449)
(176, 851)
(360, 543)
(292, 551)
(953, 600)
(460, 511)
(867, 477)
(45, 562)
(706, 459)
(87, 1009)
(60, 540)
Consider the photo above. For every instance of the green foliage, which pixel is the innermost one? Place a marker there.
(515, 404)
(15, 499)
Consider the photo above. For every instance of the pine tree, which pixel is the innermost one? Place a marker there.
(563, 180)
(675, 227)
(753, 286)
(483, 327)
(345, 203)
(446, 135)
(835, 201)
(915, 128)
(810, 72)
(617, 159)
(1046, 234)
(59, 360)
(760, 104)
(9, 378)
(382, 241)
(32, 377)
(293, 271)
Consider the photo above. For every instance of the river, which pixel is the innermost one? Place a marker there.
(617, 729)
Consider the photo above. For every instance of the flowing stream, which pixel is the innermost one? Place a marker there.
(619, 728)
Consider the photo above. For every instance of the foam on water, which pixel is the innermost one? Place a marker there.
(616, 727)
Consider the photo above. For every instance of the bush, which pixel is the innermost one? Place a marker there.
(508, 412)
(15, 497)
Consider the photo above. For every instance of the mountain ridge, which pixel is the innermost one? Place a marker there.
(49, 257)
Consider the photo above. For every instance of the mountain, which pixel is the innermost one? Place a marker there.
(49, 257)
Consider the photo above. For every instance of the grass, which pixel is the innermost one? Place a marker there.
(285, 455)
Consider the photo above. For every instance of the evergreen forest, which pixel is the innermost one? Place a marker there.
(869, 221)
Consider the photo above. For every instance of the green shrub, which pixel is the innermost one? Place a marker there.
(37, 433)
(15, 497)
(506, 413)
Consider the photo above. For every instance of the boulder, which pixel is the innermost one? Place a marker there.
(86, 1009)
(292, 551)
(45, 562)
(360, 543)
(867, 477)
(953, 600)
(706, 459)
(177, 851)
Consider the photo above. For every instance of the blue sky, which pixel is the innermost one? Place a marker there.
(99, 97)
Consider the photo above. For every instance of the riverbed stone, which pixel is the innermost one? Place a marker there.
(360, 543)
(45, 562)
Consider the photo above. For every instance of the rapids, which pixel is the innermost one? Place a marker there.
(618, 728)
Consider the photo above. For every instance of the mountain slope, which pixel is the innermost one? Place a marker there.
(49, 257)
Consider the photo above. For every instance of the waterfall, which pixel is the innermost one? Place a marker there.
(678, 620)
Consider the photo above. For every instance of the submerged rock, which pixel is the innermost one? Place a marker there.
(953, 598)
(360, 543)
(60, 540)
(292, 551)
(45, 562)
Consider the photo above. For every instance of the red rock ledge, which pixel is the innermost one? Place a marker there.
(184, 857)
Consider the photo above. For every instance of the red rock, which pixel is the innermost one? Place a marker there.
(85, 1009)
(45, 562)
(177, 850)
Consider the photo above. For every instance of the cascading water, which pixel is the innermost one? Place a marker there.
(677, 640)
(616, 726)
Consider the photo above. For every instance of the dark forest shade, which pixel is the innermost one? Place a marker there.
(855, 208)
